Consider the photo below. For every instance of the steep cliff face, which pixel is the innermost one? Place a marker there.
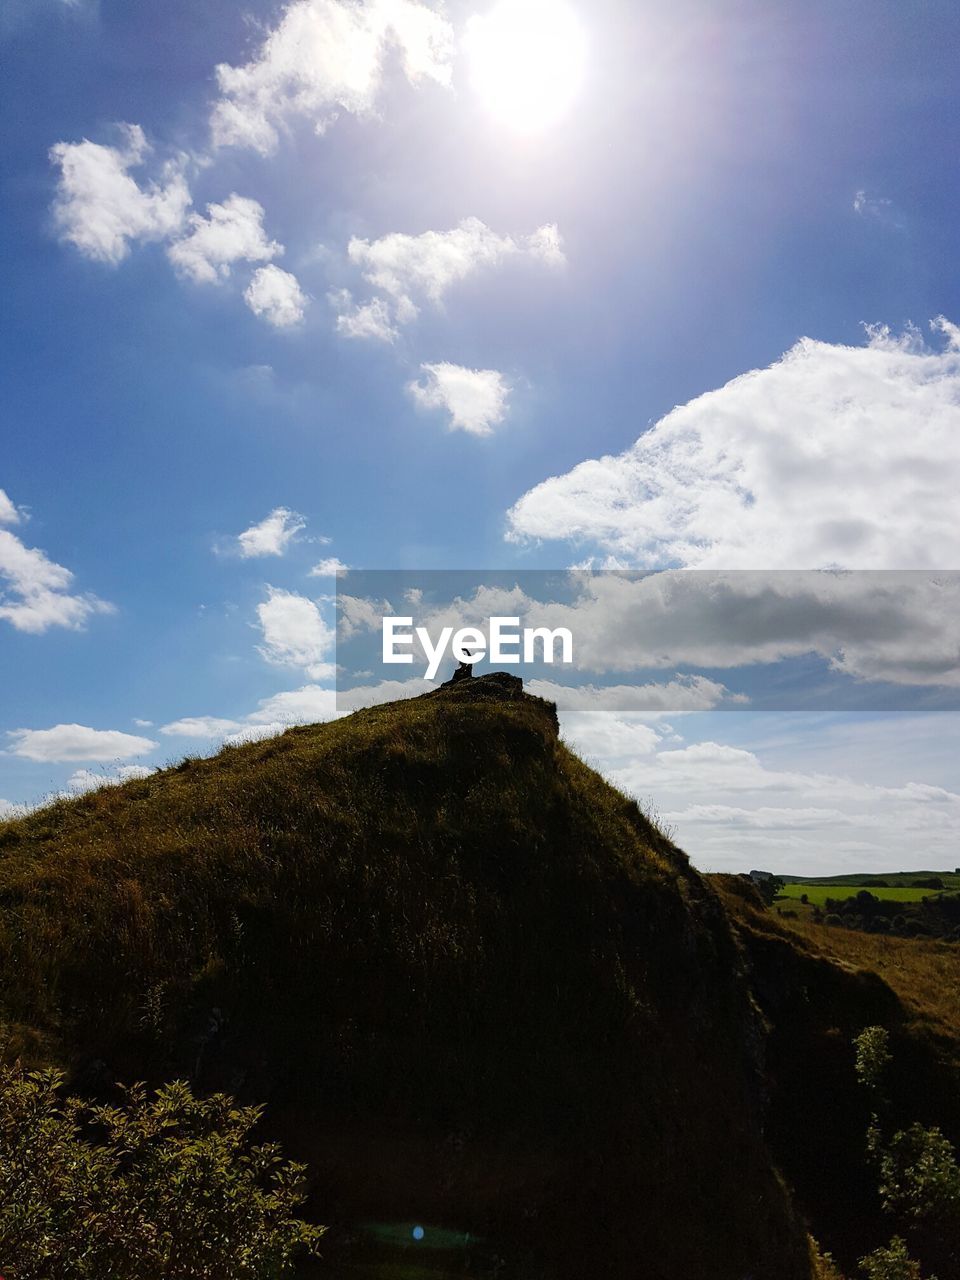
(471, 981)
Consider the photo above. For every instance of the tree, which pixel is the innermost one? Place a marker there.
(163, 1186)
(919, 1177)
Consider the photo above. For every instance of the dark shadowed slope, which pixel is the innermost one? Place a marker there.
(471, 981)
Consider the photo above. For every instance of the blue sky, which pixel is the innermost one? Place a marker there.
(354, 280)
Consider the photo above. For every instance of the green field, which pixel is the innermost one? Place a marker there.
(817, 894)
(861, 879)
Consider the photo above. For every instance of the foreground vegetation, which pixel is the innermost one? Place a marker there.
(167, 1187)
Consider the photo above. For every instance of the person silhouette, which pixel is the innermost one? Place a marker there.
(465, 670)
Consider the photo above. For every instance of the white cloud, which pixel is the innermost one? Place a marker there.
(325, 56)
(328, 568)
(409, 268)
(8, 512)
(296, 706)
(880, 209)
(614, 724)
(372, 320)
(896, 627)
(272, 535)
(99, 208)
(9, 810)
(255, 733)
(732, 810)
(36, 594)
(295, 634)
(311, 704)
(66, 742)
(890, 626)
(199, 727)
(680, 696)
(546, 244)
(276, 296)
(142, 724)
(476, 399)
(832, 456)
(231, 232)
(89, 780)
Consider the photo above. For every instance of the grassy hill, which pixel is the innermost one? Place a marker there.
(477, 989)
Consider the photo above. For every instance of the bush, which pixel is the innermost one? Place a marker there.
(891, 1263)
(163, 1186)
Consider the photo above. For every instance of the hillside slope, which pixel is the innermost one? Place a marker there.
(471, 981)
(818, 986)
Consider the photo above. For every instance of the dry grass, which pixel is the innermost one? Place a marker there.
(430, 919)
(925, 975)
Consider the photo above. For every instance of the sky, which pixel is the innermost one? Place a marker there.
(517, 285)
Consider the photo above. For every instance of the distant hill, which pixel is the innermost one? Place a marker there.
(472, 983)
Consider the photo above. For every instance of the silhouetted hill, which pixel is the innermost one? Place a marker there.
(473, 984)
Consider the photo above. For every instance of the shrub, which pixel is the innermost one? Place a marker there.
(891, 1263)
(163, 1186)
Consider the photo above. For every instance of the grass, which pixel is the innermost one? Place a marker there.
(924, 975)
(472, 982)
(817, 894)
(864, 879)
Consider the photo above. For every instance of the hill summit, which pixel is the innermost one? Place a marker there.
(472, 982)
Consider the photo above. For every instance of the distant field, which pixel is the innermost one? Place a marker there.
(817, 894)
(860, 880)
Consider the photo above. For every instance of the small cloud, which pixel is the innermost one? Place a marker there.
(67, 742)
(324, 57)
(35, 591)
(878, 208)
(372, 320)
(231, 232)
(255, 733)
(100, 209)
(276, 296)
(476, 399)
(91, 780)
(272, 535)
(405, 268)
(143, 724)
(295, 634)
(328, 568)
(199, 727)
(8, 512)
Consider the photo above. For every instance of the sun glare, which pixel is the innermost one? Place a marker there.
(526, 61)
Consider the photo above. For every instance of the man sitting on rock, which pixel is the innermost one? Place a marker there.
(465, 670)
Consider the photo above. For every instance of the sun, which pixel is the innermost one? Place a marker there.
(526, 60)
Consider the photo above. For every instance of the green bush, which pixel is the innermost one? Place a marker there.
(891, 1263)
(166, 1185)
(919, 1176)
